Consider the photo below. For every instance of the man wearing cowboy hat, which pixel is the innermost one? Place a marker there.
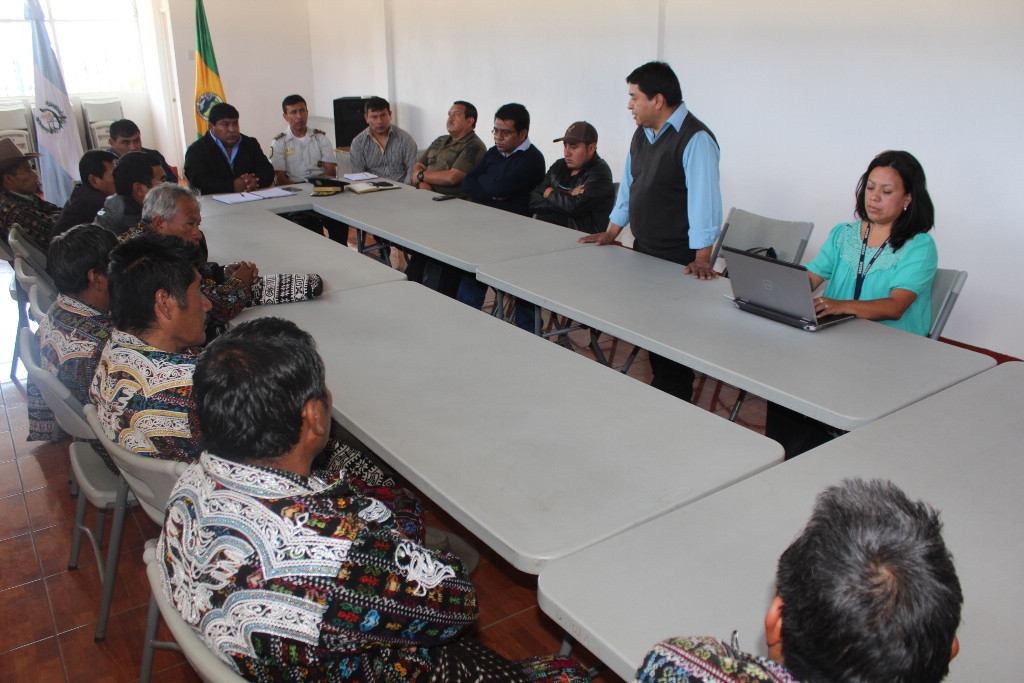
(577, 192)
(19, 200)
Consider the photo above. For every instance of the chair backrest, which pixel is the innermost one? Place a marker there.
(24, 248)
(945, 289)
(6, 253)
(209, 667)
(744, 230)
(22, 139)
(99, 134)
(29, 277)
(38, 303)
(14, 117)
(66, 408)
(96, 109)
(150, 479)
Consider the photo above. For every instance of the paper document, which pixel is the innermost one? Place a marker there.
(356, 177)
(237, 197)
(272, 192)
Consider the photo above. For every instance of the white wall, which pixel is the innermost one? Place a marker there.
(801, 94)
(263, 55)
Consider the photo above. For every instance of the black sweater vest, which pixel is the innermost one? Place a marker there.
(657, 196)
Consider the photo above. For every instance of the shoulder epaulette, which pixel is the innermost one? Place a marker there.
(317, 131)
(278, 137)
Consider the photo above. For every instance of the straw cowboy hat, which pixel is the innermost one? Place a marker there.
(10, 155)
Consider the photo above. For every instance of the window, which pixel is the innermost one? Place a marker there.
(97, 45)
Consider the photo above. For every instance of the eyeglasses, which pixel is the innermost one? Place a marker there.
(501, 133)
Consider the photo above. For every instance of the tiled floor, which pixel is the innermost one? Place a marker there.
(48, 614)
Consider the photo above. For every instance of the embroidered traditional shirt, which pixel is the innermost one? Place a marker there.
(34, 216)
(143, 397)
(287, 578)
(707, 660)
(71, 338)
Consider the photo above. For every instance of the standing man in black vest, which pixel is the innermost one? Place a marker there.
(670, 193)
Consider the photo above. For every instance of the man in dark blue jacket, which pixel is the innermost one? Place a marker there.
(503, 178)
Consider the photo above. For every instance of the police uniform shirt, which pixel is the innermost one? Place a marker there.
(301, 157)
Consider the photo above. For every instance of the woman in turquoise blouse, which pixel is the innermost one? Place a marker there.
(879, 268)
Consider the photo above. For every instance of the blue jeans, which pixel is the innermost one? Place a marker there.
(472, 292)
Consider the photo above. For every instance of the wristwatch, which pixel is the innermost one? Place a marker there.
(419, 177)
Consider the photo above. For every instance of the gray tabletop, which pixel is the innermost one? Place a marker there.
(455, 232)
(845, 376)
(515, 437)
(709, 568)
(275, 245)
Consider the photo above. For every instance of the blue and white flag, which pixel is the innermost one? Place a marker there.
(56, 131)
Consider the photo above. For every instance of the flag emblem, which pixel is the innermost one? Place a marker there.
(51, 118)
(204, 102)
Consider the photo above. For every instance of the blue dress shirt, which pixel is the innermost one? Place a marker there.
(234, 150)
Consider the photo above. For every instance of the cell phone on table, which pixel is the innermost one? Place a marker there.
(445, 197)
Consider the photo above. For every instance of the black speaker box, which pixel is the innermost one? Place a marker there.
(348, 119)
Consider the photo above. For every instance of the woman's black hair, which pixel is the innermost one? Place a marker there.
(919, 216)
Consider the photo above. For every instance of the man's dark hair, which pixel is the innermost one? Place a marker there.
(74, 253)
(251, 385)
(920, 215)
(654, 78)
(13, 169)
(376, 104)
(869, 591)
(92, 163)
(221, 110)
(516, 113)
(123, 128)
(470, 110)
(133, 167)
(290, 101)
(139, 268)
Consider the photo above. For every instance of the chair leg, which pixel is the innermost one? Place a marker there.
(629, 361)
(739, 404)
(568, 642)
(152, 622)
(110, 573)
(101, 524)
(76, 536)
(22, 322)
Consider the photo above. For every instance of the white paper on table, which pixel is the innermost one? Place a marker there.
(356, 177)
(237, 197)
(272, 192)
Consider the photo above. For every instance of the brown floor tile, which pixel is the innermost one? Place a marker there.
(183, 673)
(17, 416)
(526, 634)
(10, 481)
(47, 468)
(13, 516)
(12, 393)
(19, 564)
(6, 446)
(75, 595)
(39, 661)
(119, 657)
(24, 615)
(49, 506)
(53, 544)
(23, 447)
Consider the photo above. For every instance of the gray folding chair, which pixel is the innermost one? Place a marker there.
(745, 230)
(38, 303)
(24, 248)
(946, 288)
(150, 481)
(96, 483)
(7, 254)
(209, 667)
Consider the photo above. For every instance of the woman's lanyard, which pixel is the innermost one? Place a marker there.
(862, 270)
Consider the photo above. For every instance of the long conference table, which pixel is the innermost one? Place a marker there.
(515, 437)
(846, 376)
(708, 568)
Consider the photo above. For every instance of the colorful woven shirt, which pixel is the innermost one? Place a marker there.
(707, 660)
(34, 217)
(287, 578)
(71, 337)
(229, 295)
(143, 397)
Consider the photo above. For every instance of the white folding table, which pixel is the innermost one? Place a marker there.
(708, 568)
(516, 438)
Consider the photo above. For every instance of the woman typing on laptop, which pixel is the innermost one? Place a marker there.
(879, 268)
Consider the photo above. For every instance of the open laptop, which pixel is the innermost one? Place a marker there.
(775, 290)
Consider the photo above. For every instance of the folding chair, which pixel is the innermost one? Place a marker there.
(946, 288)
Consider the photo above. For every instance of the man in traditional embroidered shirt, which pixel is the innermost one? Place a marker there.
(867, 592)
(20, 204)
(143, 383)
(383, 148)
(670, 194)
(76, 327)
(175, 210)
(345, 589)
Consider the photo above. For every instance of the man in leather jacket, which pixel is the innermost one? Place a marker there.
(577, 191)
